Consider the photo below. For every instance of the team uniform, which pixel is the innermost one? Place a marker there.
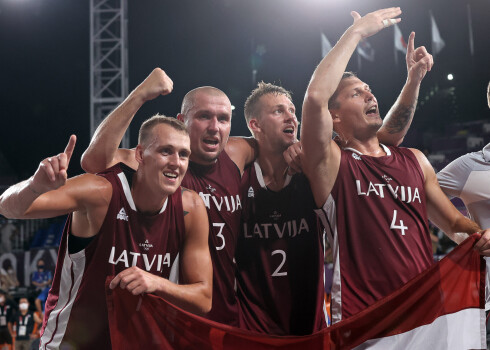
(219, 187)
(76, 311)
(376, 223)
(279, 258)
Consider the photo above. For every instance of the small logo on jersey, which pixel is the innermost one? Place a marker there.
(386, 178)
(251, 192)
(275, 215)
(356, 156)
(146, 246)
(122, 215)
(210, 188)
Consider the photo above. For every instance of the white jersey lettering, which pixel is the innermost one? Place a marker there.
(405, 194)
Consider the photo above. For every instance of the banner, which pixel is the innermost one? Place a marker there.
(442, 308)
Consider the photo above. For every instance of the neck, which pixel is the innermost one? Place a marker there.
(147, 200)
(201, 161)
(370, 147)
(274, 169)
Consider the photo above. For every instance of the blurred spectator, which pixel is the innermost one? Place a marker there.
(41, 279)
(7, 231)
(26, 324)
(6, 313)
(8, 276)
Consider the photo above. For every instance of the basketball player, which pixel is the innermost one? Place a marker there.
(374, 199)
(137, 225)
(279, 253)
(215, 167)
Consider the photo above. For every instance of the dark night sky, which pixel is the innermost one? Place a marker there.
(44, 60)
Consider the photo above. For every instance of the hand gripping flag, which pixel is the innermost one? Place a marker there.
(442, 308)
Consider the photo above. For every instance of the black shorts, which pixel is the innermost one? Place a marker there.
(5, 337)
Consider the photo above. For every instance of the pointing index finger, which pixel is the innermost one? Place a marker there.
(411, 43)
(69, 148)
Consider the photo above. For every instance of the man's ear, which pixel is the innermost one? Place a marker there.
(254, 125)
(138, 154)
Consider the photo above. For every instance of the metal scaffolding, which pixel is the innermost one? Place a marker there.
(108, 59)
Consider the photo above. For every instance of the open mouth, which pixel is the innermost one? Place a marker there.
(170, 175)
(210, 142)
(289, 130)
(372, 110)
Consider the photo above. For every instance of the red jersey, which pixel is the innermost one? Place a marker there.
(219, 187)
(376, 221)
(280, 284)
(76, 311)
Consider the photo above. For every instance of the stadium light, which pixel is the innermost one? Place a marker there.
(450, 76)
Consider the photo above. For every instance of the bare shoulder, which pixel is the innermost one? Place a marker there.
(424, 162)
(126, 156)
(420, 156)
(191, 201)
(242, 150)
(241, 142)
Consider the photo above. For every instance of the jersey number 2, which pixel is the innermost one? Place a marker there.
(279, 273)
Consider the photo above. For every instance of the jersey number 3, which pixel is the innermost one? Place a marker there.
(220, 234)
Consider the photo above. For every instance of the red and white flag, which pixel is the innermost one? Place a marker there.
(400, 44)
(442, 308)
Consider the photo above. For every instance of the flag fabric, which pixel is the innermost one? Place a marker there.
(326, 46)
(437, 42)
(442, 308)
(470, 29)
(365, 50)
(400, 44)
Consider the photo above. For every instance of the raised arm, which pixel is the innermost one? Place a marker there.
(321, 154)
(194, 293)
(399, 117)
(48, 193)
(50, 175)
(103, 150)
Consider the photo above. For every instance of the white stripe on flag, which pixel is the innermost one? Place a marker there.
(442, 334)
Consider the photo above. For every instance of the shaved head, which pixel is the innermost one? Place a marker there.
(189, 98)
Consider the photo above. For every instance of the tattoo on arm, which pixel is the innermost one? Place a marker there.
(183, 189)
(400, 118)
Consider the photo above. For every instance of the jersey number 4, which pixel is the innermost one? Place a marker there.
(394, 226)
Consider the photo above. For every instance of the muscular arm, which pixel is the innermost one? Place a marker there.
(194, 294)
(321, 154)
(399, 117)
(440, 210)
(242, 151)
(103, 150)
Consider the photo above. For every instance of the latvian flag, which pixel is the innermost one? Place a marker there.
(442, 308)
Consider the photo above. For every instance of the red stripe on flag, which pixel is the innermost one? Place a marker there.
(456, 283)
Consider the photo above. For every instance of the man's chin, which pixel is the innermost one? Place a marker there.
(205, 157)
